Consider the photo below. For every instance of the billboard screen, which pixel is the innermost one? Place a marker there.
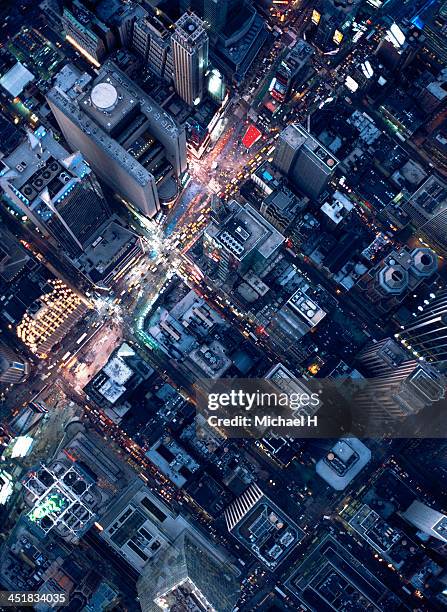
(338, 37)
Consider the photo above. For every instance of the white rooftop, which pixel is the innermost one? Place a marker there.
(16, 79)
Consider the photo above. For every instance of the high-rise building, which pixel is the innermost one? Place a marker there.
(190, 53)
(292, 70)
(426, 334)
(134, 145)
(151, 39)
(88, 34)
(429, 521)
(331, 23)
(427, 210)
(97, 29)
(279, 534)
(217, 12)
(13, 369)
(402, 392)
(187, 576)
(55, 190)
(379, 358)
(304, 160)
(433, 23)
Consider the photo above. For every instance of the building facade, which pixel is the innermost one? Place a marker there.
(304, 160)
(190, 54)
(55, 190)
(131, 143)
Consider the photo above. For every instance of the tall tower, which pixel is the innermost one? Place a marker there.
(427, 210)
(13, 369)
(130, 142)
(427, 519)
(381, 358)
(427, 333)
(190, 51)
(217, 12)
(187, 576)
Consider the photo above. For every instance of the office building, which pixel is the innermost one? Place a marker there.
(388, 541)
(96, 31)
(242, 240)
(433, 23)
(430, 522)
(331, 23)
(281, 207)
(88, 34)
(190, 54)
(402, 392)
(188, 576)
(216, 13)
(151, 40)
(292, 71)
(426, 334)
(50, 317)
(57, 191)
(262, 527)
(179, 567)
(381, 358)
(131, 143)
(239, 43)
(304, 160)
(113, 252)
(427, 212)
(329, 562)
(13, 369)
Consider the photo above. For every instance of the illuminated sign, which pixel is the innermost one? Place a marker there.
(53, 504)
(396, 36)
(338, 37)
(21, 447)
(351, 84)
(316, 17)
(251, 136)
(6, 486)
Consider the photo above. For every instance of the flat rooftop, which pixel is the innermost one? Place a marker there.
(245, 230)
(343, 462)
(107, 246)
(32, 153)
(16, 79)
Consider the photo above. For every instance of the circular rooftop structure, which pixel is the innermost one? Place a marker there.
(425, 262)
(104, 96)
(393, 279)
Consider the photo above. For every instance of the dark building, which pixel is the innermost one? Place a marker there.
(13, 369)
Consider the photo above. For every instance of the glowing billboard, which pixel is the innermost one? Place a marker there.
(251, 136)
(316, 16)
(338, 37)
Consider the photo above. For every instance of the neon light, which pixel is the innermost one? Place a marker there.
(82, 51)
(53, 504)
